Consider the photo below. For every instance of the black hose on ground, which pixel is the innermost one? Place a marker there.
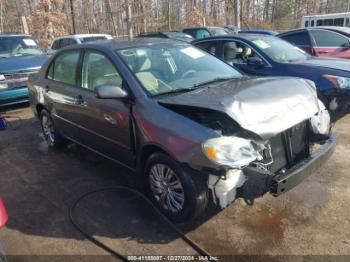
(98, 243)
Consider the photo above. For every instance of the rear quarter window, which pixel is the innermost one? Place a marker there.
(209, 47)
(299, 39)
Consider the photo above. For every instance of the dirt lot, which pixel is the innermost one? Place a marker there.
(39, 185)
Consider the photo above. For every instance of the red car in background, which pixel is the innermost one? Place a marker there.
(3, 214)
(324, 41)
(3, 220)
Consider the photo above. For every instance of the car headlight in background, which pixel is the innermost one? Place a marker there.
(235, 152)
(3, 84)
(320, 123)
(339, 81)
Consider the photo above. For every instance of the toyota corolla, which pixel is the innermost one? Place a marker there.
(193, 127)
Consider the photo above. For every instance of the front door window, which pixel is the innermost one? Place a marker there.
(98, 70)
(237, 53)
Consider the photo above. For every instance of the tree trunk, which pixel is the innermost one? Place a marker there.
(237, 13)
(129, 21)
(111, 17)
(73, 16)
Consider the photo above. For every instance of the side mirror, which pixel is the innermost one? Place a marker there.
(256, 62)
(110, 91)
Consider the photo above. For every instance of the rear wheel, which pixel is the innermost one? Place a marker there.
(52, 136)
(178, 193)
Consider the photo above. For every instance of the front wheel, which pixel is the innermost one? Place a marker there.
(178, 193)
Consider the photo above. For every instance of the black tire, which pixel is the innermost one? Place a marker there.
(194, 189)
(54, 139)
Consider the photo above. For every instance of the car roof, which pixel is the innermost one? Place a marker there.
(115, 44)
(239, 36)
(79, 35)
(258, 31)
(14, 35)
(331, 28)
(335, 28)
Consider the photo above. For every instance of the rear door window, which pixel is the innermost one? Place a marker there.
(325, 38)
(298, 39)
(65, 42)
(202, 33)
(64, 68)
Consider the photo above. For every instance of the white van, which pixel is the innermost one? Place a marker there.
(338, 19)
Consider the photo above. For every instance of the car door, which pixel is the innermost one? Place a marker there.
(300, 39)
(61, 93)
(237, 54)
(330, 44)
(104, 123)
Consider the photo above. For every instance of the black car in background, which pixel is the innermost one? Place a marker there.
(203, 32)
(264, 55)
(184, 121)
(172, 35)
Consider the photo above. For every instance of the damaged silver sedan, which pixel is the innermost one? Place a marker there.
(193, 128)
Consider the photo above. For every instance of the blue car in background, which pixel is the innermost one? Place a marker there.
(265, 55)
(20, 57)
(258, 31)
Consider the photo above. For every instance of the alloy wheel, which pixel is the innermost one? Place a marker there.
(48, 128)
(167, 188)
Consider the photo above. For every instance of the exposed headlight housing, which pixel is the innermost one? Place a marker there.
(339, 81)
(234, 152)
(320, 123)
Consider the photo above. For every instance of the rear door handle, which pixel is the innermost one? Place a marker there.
(323, 51)
(79, 100)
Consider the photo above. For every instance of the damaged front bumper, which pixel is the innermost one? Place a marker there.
(282, 183)
(253, 182)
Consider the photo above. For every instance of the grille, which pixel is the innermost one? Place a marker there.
(289, 147)
(18, 78)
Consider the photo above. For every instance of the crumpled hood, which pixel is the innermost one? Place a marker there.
(21, 63)
(265, 106)
(339, 64)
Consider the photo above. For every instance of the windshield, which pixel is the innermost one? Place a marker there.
(18, 46)
(91, 38)
(279, 50)
(166, 68)
(217, 31)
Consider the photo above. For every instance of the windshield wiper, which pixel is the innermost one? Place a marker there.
(217, 79)
(175, 91)
(194, 87)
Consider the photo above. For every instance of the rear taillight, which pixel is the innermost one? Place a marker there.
(3, 214)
